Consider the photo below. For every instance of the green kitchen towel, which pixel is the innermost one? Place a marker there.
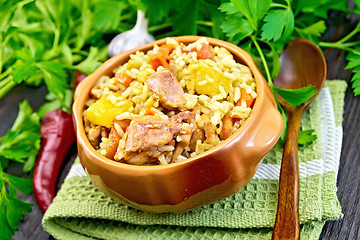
(80, 211)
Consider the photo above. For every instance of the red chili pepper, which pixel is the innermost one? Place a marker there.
(79, 76)
(58, 136)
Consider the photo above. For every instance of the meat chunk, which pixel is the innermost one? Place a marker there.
(146, 132)
(198, 134)
(227, 128)
(166, 87)
(210, 134)
(114, 139)
(177, 126)
(182, 124)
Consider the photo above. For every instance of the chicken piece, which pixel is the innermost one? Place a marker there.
(227, 127)
(146, 132)
(198, 134)
(182, 124)
(210, 134)
(138, 159)
(166, 87)
(114, 139)
(177, 122)
(94, 135)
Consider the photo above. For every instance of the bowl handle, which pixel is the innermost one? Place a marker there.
(263, 133)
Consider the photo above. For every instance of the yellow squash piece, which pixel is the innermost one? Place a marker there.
(102, 112)
(208, 80)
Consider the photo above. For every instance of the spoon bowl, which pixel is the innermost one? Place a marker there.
(302, 65)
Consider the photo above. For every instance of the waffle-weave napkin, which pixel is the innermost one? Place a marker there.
(80, 211)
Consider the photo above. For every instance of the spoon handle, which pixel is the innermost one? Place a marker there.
(287, 224)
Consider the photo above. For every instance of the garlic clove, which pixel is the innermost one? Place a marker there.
(135, 37)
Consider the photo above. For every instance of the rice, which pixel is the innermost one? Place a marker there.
(213, 87)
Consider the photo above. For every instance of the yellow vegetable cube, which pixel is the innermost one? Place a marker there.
(103, 112)
(208, 80)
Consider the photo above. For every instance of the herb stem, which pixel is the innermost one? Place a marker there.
(350, 35)
(205, 23)
(5, 81)
(266, 67)
(125, 17)
(335, 45)
(159, 27)
(5, 74)
(8, 86)
(278, 5)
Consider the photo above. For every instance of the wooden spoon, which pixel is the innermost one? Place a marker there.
(302, 64)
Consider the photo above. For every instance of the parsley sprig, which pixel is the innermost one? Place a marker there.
(263, 28)
(20, 144)
(350, 44)
(44, 41)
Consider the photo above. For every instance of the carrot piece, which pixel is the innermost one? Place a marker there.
(114, 137)
(124, 79)
(227, 127)
(148, 107)
(158, 60)
(249, 99)
(205, 52)
(166, 49)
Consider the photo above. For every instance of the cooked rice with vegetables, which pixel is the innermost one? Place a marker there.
(169, 104)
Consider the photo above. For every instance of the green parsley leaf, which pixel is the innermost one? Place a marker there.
(53, 103)
(22, 184)
(55, 77)
(5, 229)
(285, 121)
(29, 163)
(107, 15)
(26, 119)
(157, 10)
(236, 27)
(6, 12)
(306, 137)
(217, 19)
(184, 22)
(28, 66)
(25, 66)
(15, 209)
(253, 10)
(18, 145)
(353, 58)
(320, 8)
(315, 29)
(356, 9)
(92, 62)
(23, 139)
(228, 8)
(296, 97)
(279, 23)
(85, 25)
(11, 208)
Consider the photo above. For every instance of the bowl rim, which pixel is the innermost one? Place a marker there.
(81, 96)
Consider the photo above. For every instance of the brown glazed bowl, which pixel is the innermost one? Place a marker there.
(208, 177)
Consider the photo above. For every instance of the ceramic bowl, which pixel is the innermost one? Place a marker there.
(208, 177)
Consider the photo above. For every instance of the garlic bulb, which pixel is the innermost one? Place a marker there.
(133, 38)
